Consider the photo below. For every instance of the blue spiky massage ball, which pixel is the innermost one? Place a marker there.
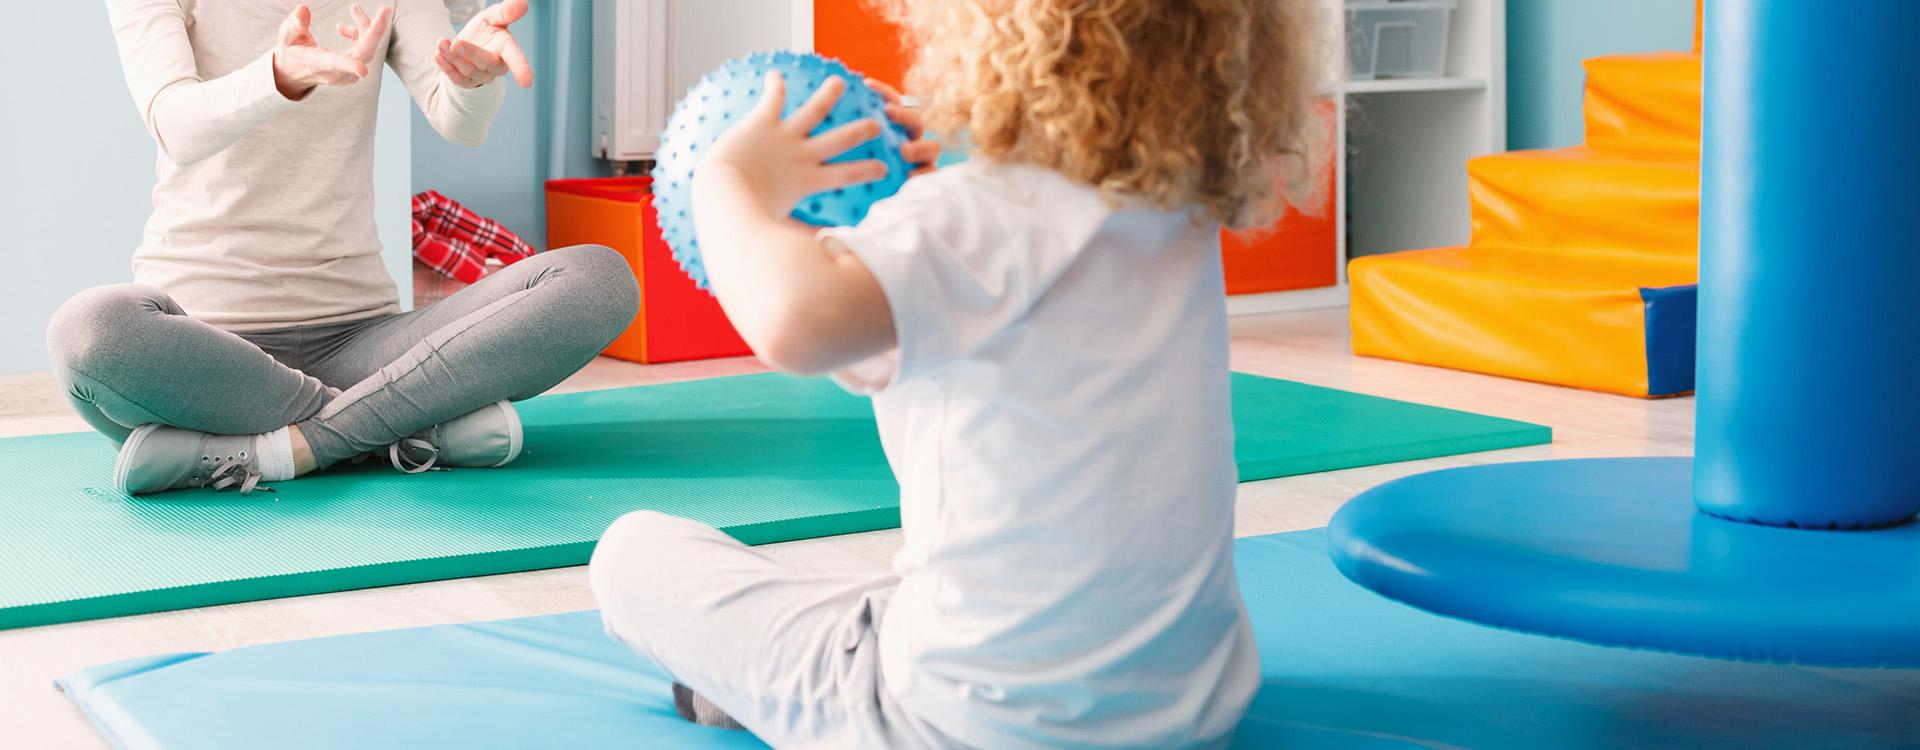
(721, 97)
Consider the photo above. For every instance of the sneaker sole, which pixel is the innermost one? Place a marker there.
(516, 438)
(121, 465)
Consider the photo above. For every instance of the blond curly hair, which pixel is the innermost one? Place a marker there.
(1201, 103)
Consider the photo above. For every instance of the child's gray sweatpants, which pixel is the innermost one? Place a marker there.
(792, 655)
(127, 355)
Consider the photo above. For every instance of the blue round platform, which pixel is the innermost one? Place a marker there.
(1614, 551)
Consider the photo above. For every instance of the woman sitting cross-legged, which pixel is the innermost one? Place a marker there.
(263, 338)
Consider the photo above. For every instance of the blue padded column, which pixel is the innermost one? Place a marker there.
(1808, 405)
(1809, 370)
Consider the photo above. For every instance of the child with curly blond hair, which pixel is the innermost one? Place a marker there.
(1043, 333)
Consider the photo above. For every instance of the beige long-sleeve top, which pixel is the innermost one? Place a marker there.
(263, 213)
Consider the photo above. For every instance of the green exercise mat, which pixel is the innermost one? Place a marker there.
(766, 458)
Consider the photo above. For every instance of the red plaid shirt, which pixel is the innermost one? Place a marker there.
(457, 242)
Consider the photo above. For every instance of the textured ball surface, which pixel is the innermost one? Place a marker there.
(726, 94)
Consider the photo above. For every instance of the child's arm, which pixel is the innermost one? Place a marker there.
(802, 307)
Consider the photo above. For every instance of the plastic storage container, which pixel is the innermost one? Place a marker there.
(677, 320)
(1398, 38)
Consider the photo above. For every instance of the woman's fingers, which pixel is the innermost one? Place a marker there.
(304, 61)
(459, 67)
(338, 78)
(504, 14)
(817, 107)
(322, 65)
(349, 69)
(452, 68)
(325, 67)
(836, 176)
(842, 139)
(459, 63)
(446, 68)
(370, 31)
(294, 30)
(515, 59)
(484, 62)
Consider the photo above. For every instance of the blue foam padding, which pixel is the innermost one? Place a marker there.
(1613, 551)
(1670, 316)
(1343, 668)
(1810, 343)
(722, 96)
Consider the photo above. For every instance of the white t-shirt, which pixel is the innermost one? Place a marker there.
(1057, 414)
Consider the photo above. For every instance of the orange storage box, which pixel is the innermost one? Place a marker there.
(677, 320)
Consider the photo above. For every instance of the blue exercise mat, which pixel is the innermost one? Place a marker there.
(1342, 668)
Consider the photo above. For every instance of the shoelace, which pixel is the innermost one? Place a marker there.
(232, 471)
(405, 463)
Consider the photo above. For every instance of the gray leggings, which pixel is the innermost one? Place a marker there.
(127, 355)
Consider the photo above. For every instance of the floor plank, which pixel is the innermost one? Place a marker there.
(1309, 347)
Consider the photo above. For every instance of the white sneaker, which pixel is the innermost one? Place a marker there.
(156, 458)
(487, 438)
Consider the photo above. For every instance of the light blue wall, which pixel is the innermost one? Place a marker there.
(76, 170)
(503, 178)
(1547, 39)
(393, 183)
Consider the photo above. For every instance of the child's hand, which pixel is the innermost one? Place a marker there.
(919, 152)
(777, 159)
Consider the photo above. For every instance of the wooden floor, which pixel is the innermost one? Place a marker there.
(1309, 347)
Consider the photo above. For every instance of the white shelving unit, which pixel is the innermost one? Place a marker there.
(1410, 84)
(1403, 182)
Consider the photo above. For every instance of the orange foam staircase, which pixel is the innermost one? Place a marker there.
(1582, 262)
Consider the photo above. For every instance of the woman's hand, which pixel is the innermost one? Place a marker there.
(777, 159)
(923, 154)
(300, 63)
(485, 50)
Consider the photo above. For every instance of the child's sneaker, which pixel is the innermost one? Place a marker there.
(692, 707)
(156, 458)
(486, 438)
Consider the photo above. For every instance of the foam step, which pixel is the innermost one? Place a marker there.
(1580, 198)
(1582, 320)
(1645, 104)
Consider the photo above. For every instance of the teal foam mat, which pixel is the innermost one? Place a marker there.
(765, 458)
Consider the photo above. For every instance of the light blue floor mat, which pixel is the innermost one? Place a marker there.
(1342, 668)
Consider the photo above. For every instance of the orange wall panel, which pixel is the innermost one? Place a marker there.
(1298, 252)
(856, 32)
